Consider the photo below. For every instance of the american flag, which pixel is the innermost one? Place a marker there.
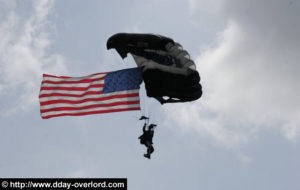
(93, 94)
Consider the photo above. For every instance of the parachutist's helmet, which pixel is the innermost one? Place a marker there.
(151, 126)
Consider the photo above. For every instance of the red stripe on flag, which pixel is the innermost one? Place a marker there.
(88, 99)
(58, 77)
(73, 82)
(71, 95)
(67, 77)
(91, 112)
(90, 106)
(73, 88)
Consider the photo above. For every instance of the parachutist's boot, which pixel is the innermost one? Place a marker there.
(147, 156)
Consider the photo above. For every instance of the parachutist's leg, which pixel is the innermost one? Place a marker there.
(147, 155)
(150, 149)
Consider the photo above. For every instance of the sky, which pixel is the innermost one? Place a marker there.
(243, 133)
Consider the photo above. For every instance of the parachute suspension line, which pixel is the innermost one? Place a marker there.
(144, 106)
(156, 112)
(143, 101)
(150, 109)
(147, 107)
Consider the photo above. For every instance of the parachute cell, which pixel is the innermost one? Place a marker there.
(168, 70)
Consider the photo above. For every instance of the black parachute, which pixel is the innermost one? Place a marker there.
(168, 70)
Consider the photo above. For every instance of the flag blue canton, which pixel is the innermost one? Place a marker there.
(127, 79)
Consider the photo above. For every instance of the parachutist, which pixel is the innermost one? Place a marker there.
(146, 139)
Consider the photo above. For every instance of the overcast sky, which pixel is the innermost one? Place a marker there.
(243, 133)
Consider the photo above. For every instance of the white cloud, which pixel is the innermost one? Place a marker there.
(251, 78)
(245, 160)
(192, 6)
(24, 56)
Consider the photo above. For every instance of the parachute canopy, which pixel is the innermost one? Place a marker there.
(168, 70)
